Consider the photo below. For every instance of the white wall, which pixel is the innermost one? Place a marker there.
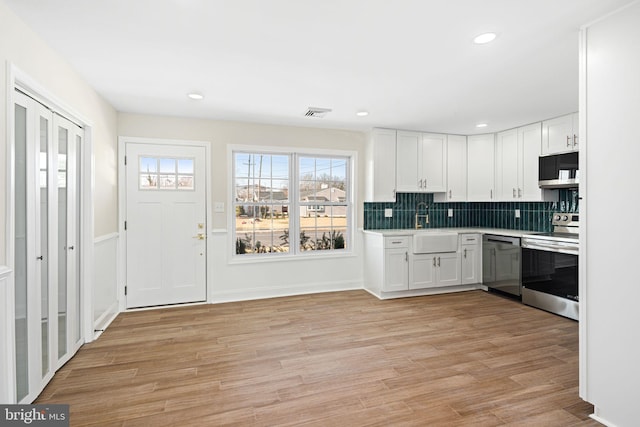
(22, 47)
(228, 281)
(610, 157)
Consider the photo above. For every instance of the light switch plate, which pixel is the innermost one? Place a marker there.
(218, 207)
(517, 213)
(388, 213)
(450, 213)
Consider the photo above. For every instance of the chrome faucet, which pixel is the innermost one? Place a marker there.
(419, 215)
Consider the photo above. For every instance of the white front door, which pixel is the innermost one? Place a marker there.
(165, 224)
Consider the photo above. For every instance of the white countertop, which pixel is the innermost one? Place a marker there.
(459, 230)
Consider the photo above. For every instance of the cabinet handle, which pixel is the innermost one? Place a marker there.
(40, 258)
(406, 257)
(568, 141)
(575, 140)
(396, 242)
(434, 261)
(449, 193)
(514, 193)
(438, 261)
(519, 192)
(491, 194)
(465, 253)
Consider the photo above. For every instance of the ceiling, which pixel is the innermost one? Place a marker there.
(410, 63)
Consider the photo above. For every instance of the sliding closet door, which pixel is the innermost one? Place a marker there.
(33, 246)
(68, 138)
(47, 292)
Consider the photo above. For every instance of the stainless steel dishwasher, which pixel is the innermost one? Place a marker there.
(501, 264)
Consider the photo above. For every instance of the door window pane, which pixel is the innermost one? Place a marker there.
(166, 173)
(21, 331)
(44, 241)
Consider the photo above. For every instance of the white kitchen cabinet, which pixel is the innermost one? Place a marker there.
(507, 165)
(421, 162)
(434, 270)
(386, 263)
(380, 185)
(471, 258)
(480, 167)
(517, 153)
(395, 270)
(560, 135)
(529, 143)
(456, 183)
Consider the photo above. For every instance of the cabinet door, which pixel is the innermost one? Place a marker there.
(407, 179)
(395, 270)
(456, 168)
(529, 143)
(433, 161)
(507, 162)
(448, 265)
(381, 166)
(423, 272)
(480, 170)
(558, 135)
(470, 264)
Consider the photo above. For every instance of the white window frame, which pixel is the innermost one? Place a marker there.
(294, 154)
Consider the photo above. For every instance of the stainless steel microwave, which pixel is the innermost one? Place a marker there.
(559, 171)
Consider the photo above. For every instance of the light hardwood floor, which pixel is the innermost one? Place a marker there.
(333, 359)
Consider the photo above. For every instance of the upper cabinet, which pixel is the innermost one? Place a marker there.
(517, 152)
(560, 135)
(456, 170)
(421, 162)
(480, 167)
(381, 166)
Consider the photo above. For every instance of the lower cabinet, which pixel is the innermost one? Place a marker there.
(391, 265)
(395, 270)
(434, 270)
(471, 258)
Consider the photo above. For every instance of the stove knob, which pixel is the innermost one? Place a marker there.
(565, 217)
(556, 218)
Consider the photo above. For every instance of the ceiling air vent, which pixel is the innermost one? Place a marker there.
(317, 112)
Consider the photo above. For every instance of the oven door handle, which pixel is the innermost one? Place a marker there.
(571, 250)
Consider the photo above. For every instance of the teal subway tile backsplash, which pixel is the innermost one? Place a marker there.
(534, 216)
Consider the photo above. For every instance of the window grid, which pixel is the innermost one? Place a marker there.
(270, 187)
(166, 173)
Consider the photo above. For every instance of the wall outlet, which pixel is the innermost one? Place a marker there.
(388, 213)
(450, 213)
(517, 213)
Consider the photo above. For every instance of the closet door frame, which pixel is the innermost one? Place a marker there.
(17, 79)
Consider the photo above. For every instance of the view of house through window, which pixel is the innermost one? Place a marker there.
(279, 196)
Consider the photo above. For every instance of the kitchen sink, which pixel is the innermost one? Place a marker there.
(431, 242)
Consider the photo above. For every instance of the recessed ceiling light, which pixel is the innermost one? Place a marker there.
(195, 95)
(362, 113)
(482, 125)
(485, 38)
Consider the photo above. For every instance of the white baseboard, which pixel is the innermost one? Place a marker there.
(276, 292)
(424, 292)
(101, 324)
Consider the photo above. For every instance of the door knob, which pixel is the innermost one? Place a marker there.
(199, 236)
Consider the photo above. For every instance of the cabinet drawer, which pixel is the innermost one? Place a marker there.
(469, 239)
(396, 242)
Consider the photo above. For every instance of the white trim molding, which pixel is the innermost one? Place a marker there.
(7, 355)
(105, 283)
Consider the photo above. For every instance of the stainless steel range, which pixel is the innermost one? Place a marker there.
(550, 267)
